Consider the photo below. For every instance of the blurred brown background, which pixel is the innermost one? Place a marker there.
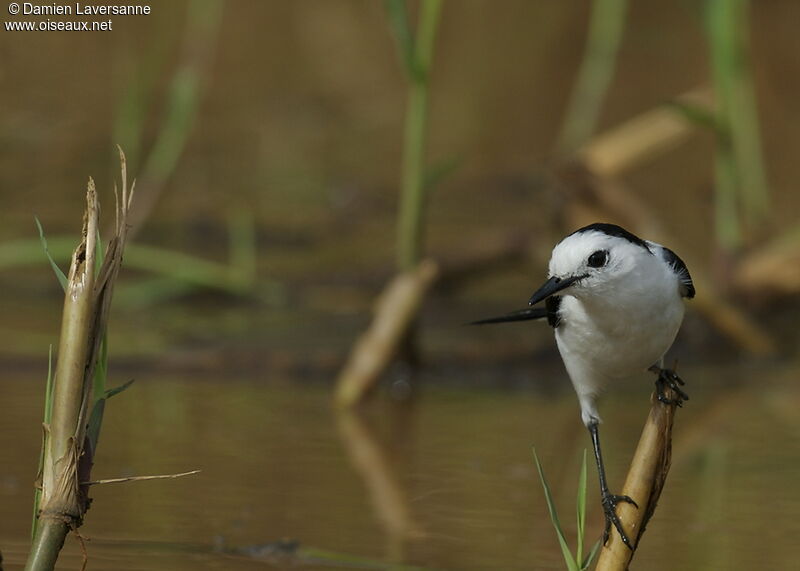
(277, 126)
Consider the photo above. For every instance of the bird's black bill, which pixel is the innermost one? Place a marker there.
(522, 315)
(551, 286)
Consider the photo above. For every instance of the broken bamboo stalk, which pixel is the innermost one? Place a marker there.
(68, 454)
(63, 500)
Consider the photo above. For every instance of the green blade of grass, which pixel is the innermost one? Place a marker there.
(101, 370)
(735, 91)
(440, 171)
(606, 26)
(243, 254)
(94, 425)
(721, 32)
(581, 508)
(96, 417)
(551, 507)
(591, 555)
(178, 266)
(411, 214)
(62, 279)
(138, 69)
(48, 399)
(426, 35)
(116, 390)
(398, 18)
(185, 90)
(742, 189)
(101, 366)
(698, 115)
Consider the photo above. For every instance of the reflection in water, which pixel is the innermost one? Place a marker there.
(458, 491)
(373, 465)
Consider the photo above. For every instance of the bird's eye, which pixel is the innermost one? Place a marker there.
(598, 259)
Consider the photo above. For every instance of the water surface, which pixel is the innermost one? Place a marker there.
(446, 483)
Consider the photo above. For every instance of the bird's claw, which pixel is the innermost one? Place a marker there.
(610, 502)
(669, 378)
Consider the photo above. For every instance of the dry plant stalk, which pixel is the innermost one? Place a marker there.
(67, 456)
(141, 478)
(643, 137)
(394, 312)
(773, 267)
(645, 480)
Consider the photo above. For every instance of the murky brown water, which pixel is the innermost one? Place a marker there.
(448, 484)
(300, 124)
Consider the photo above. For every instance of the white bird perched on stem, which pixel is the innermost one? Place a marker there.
(616, 304)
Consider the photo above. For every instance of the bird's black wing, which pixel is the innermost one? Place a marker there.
(687, 286)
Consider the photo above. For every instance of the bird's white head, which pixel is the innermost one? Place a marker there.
(595, 260)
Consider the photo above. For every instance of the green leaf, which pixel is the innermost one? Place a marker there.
(398, 18)
(101, 369)
(604, 36)
(62, 279)
(551, 507)
(590, 557)
(440, 171)
(94, 424)
(698, 115)
(48, 398)
(581, 508)
(99, 253)
(427, 22)
(96, 417)
(116, 390)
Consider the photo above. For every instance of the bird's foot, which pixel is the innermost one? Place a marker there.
(610, 502)
(669, 378)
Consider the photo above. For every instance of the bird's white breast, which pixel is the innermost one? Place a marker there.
(623, 331)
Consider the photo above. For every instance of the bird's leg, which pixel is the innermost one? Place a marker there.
(608, 500)
(669, 378)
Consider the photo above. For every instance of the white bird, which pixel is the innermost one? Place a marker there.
(618, 309)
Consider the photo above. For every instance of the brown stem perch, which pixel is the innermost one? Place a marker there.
(396, 309)
(644, 483)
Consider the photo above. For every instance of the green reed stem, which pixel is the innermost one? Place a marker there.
(742, 190)
(410, 226)
(606, 27)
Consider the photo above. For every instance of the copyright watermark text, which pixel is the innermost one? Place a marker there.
(70, 9)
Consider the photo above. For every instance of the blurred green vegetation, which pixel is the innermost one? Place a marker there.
(594, 75)
(416, 54)
(576, 562)
(742, 192)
